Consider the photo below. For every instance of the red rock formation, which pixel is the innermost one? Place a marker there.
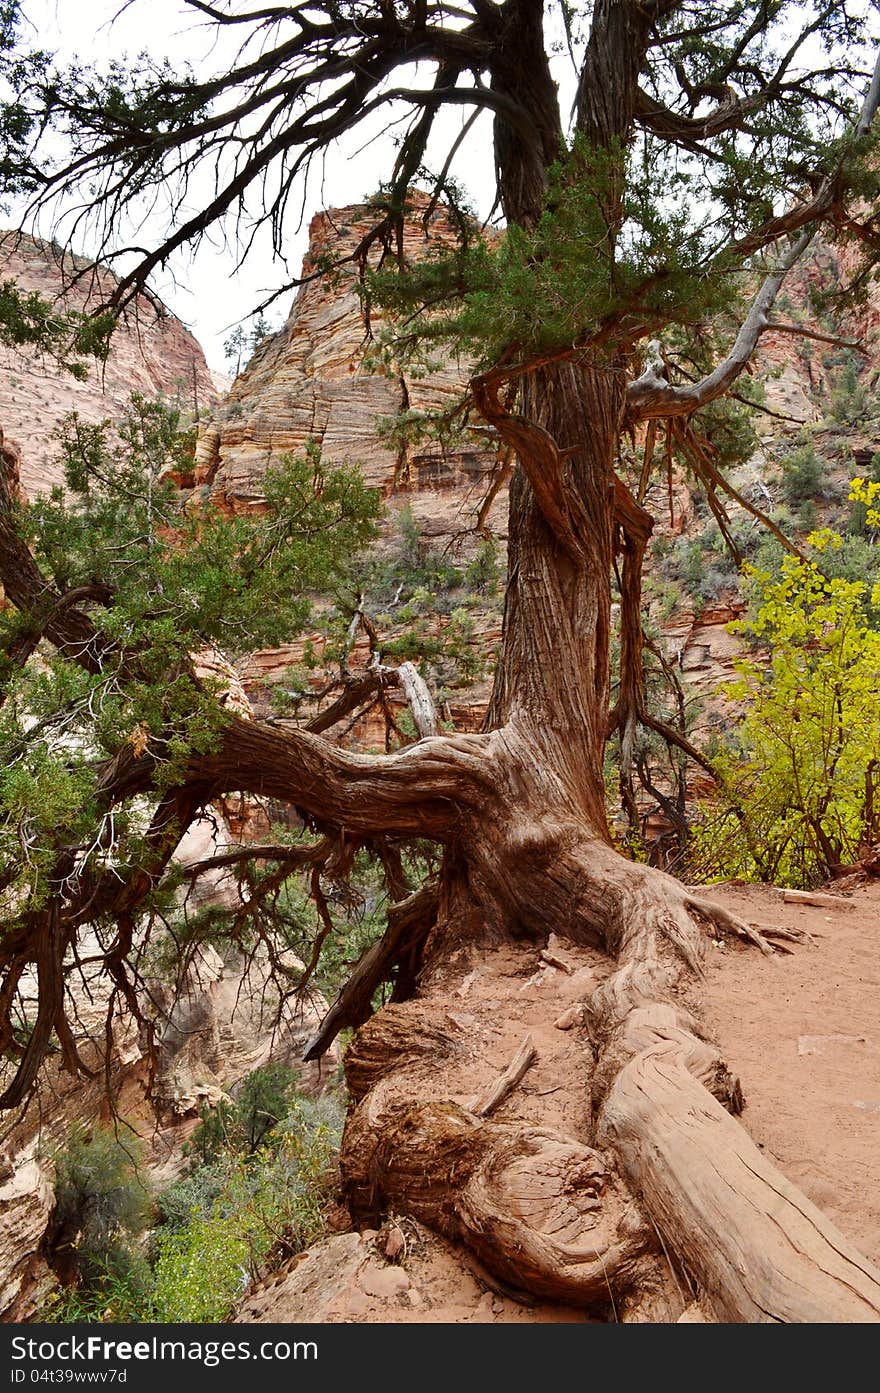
(149, 354)
(310, 381)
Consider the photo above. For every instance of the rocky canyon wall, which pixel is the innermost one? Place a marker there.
(313, 380)
(151, 353)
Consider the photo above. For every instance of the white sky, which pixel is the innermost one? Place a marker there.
(205, 290)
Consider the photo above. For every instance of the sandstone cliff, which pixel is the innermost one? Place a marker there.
(309, 381)
(312, 381)
(150, 353)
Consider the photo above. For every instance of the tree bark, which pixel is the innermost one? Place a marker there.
(651, 1164)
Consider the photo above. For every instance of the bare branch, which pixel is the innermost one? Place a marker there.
(538, 454)
(408, 924)
(291, 856)
(651, 395)
(421, 703)
(494, 1094)
(774, 326)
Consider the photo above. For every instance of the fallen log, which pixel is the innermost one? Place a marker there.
(816, 898)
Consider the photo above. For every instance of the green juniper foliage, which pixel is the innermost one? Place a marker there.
(163, 581)
(29, 322)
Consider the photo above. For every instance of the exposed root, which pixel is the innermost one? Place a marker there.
(540, 1210)
(757, 1246)
(726, 921)
(545, 1211)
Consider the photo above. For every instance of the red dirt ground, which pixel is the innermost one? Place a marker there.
(803, 1033)
(801, 1029)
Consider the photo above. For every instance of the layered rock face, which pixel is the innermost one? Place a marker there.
(310, 381)
(313, 381)
(151, 354)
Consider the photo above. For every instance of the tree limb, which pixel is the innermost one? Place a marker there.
(539, 456)
(407, 922)
(650, 395)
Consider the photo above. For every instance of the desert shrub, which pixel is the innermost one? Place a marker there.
(247, 1206)
(102, 1207)
(118, 1298)
(409, 545)
(201, 1269)
(849, 399)
(483, 573)
(701, 565)
(802, 474)
(245, 1124)
(192, 1196)
(801, 774)
(263, 1191)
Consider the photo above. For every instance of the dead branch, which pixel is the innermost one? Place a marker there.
(774, 326)
(292, 856)
(817, 899)
(408, 922)
(487, 1102)
(651, 395)
(538, 454)
(421, 703)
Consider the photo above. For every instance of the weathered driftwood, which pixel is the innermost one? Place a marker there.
(816, 898)
(554, 960)
(492, 1097)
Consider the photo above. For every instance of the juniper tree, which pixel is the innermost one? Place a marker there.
(645, 242)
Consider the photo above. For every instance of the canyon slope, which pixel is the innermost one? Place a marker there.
(316, 379)
(151, 353)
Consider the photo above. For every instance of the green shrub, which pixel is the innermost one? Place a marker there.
(272, 1199)
(102, 1208)
(797, 797)
(263, 1191)
(245, 1124)
(120, 1299)
(802, 474)
(484, 571)
(849, 400)
(102, 1203)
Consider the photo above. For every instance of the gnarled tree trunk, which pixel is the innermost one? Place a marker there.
(643, 1164)
(656, 1167)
